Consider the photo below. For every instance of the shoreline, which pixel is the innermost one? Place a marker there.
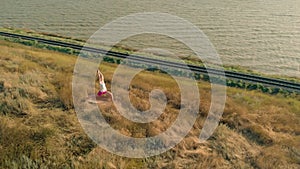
(230, 82)
(128, 50)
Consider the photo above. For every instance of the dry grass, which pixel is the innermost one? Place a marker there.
(39, 128)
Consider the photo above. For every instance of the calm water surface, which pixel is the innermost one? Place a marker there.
(263, 35)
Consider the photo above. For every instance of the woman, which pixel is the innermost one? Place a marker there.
(103, 93)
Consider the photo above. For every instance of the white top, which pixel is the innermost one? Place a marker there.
(102, 87)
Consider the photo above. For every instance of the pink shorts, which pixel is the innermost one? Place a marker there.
(101, 93)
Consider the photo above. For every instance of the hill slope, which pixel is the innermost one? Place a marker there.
(39, 127)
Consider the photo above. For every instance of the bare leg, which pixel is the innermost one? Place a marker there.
(108, 96)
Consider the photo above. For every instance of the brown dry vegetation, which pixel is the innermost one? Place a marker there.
(39, 127)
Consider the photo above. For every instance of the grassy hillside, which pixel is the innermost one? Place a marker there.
(39, 127)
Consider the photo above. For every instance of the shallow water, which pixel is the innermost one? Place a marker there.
(261, 35)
